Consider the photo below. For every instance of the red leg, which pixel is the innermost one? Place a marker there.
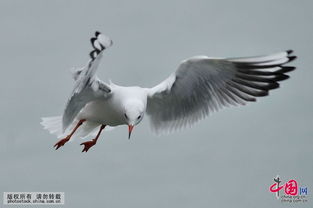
(92, 142)
(66, 139)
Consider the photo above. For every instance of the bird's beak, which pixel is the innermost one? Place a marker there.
(130, 129)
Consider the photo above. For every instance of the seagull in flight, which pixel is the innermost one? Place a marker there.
(200, 85)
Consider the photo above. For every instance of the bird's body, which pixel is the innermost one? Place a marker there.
(198, 87)
(111, 111)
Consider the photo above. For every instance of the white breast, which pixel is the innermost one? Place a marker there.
(111, 111)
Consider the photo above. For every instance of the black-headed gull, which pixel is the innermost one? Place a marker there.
(199, 86)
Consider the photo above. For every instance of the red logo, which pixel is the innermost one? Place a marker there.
(291, 191)
(291, 187)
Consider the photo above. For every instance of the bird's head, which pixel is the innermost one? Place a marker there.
(133, 114)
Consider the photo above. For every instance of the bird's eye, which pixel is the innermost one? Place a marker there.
(125, 116)
(139, 117)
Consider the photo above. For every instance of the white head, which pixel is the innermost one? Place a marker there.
(133, 113)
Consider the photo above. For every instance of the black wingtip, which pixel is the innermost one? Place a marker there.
(281, 77)
(289, 51)
(273, 85)
(286, 69)
(102, 47)
(94, 53)
(92, 40)
(291, 58)
(97, 33)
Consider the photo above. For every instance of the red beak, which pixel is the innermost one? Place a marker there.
(130, 129)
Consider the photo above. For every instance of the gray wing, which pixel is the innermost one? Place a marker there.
(202, 85)
(87, 85)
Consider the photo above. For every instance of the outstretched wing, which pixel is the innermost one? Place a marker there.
(202, 85)
(87, 86)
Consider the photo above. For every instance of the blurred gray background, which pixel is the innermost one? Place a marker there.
(226, 160)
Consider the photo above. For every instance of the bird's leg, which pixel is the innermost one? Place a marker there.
(66, 139)
(92, 142)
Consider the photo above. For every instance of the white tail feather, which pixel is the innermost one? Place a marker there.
(54, 126)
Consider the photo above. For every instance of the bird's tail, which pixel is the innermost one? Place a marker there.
(53, 125)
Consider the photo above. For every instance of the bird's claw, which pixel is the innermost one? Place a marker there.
(61, 143)
(87, 145)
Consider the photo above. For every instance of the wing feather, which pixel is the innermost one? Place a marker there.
(202, 85)
(88, 86)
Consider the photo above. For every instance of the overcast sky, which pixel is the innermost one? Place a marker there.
(226, 160)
